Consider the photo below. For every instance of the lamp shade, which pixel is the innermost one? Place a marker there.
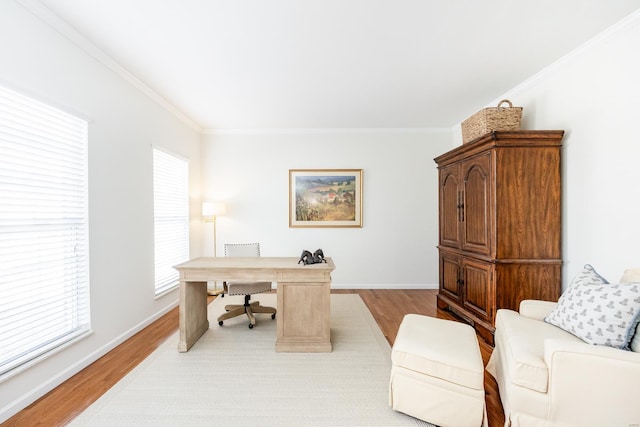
(212, 209)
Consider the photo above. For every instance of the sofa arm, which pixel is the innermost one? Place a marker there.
(536, 309)
(592, 385)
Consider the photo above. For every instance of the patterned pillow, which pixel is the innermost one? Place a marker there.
(599, 314)
(588, 276)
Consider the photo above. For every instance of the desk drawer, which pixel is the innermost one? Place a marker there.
(304, 276)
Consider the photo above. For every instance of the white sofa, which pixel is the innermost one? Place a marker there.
(550, 377)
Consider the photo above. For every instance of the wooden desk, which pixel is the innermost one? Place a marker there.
(303, 319)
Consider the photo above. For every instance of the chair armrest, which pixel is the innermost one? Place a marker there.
(592, 385)
(536, 309)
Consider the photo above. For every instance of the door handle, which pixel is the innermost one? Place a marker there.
(460, 206)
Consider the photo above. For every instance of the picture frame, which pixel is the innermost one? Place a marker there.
(325, 198)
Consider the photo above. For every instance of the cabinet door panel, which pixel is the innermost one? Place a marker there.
(450, 199)
(450, 275)
(476, 235)
(478, 288)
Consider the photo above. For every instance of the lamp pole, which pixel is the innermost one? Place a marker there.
(215, 241)
(210, 211)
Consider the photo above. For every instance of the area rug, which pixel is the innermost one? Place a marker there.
(233, 377)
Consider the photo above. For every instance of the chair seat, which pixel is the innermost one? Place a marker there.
(244, 288)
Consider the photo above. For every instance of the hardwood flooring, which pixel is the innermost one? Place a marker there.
(65, 402)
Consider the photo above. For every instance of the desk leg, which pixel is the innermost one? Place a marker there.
(304, 317)
(193, 313)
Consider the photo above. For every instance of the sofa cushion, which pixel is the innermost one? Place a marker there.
(631, 275)
(599, 314)
(523, 340)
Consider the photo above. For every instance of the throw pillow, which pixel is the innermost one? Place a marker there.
(588, 276)
(599, 314)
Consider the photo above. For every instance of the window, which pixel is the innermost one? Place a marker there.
(171, 217)
(44, 263)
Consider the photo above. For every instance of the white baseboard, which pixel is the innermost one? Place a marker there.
(384, 286)
(27, 399)
(380, 286)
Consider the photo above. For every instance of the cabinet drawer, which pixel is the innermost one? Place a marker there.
(306, 276)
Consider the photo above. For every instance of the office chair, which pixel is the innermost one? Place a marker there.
(245, 288)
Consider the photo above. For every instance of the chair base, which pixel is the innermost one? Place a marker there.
(234, 310)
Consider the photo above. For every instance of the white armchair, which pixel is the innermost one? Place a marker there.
(549, 377)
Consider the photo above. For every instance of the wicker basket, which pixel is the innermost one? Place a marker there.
(490, 119)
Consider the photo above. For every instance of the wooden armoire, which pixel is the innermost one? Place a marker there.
(500, 224)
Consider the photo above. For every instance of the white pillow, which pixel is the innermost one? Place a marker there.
(597, 312)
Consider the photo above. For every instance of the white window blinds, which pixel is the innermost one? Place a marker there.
(171, 217)
(44, 278)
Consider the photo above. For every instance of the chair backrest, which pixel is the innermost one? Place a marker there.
(242, 249)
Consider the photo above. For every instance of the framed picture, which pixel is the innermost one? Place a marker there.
(325, 198)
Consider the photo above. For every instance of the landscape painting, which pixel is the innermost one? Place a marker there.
(325, 198)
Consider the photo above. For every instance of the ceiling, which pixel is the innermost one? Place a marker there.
(289, 64)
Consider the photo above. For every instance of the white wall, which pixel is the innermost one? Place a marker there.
(124, 124)
(594, 95)
(396, 247)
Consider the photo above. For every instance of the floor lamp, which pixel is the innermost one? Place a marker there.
(211, 210)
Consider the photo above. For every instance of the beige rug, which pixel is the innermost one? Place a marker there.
(233, 377)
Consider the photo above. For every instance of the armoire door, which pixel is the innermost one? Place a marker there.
(450, 205)
(478, 294)
(477, 208)
(450, 276)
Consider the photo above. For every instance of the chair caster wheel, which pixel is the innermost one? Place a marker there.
(273, 316)
(220, 323)
(250, 326)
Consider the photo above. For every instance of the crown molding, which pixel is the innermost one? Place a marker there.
(311, 131)
(54, 21)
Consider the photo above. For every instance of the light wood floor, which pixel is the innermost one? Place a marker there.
(64, 403)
